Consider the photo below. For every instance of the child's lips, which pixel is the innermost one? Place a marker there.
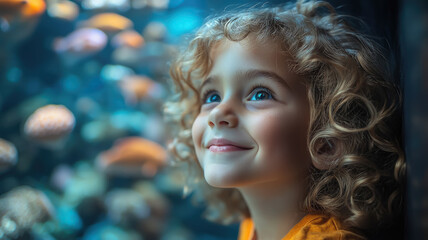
(226, 148)
(224, 145)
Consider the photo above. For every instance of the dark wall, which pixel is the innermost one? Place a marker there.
(414, 46)
(402, 28)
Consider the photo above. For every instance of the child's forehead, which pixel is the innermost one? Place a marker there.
(250, 44)
(247, 52)
(229, 58)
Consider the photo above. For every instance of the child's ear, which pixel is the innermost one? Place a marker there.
(325, 154)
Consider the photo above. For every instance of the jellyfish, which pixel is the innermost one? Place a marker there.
(50, 125)
(21, 208)
(133, 156)
(8, 155)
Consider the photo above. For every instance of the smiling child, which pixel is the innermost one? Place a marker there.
(286, 116)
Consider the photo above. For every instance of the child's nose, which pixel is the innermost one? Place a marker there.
(223, 115)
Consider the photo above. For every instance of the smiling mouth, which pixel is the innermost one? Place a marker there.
(226, 148)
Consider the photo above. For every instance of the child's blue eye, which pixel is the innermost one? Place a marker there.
(262, 94)
(214, 98)
(208, 97)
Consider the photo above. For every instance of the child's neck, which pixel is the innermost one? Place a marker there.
(274, 208)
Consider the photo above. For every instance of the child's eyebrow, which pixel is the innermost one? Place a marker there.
(250, 74)
(254, 73)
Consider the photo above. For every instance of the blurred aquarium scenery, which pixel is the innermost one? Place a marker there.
(82, 141)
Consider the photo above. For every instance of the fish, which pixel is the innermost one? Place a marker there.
(50, 125)
(8, 155)
(80, 44)
(128, 38)
(21, 208)
(18, 19)
(63, 9)
(110, 23)
(132, 156)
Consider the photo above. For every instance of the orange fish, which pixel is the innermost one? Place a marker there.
(133, 156)
(10, 7)
(19, 10)
(18, 18)
(128, 38)
(109, 23)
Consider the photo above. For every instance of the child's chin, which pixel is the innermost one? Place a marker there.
(221, 179)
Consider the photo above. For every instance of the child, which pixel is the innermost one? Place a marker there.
(286, 115)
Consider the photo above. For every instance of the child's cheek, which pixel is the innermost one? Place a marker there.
(198, 129)
(281, 140)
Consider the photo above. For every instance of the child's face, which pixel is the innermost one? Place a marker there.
(271, 122)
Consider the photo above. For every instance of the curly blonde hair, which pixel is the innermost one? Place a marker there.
(358, 166)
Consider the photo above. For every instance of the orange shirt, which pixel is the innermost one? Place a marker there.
(311, 227)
